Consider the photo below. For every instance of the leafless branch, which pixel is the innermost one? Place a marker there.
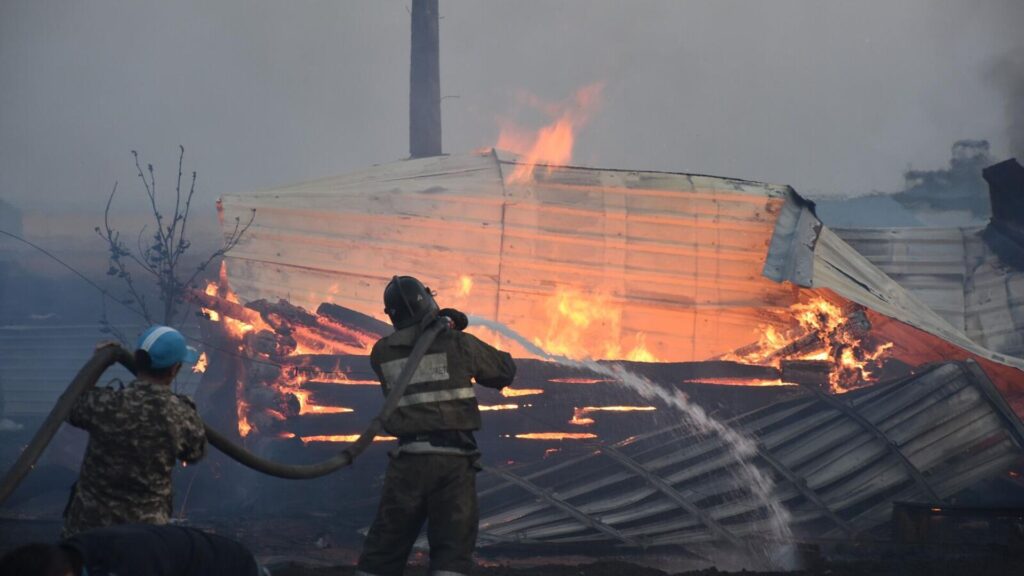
(161, 258)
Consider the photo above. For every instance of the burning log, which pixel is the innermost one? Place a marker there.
(223, 307)
(351, 318)
(807, 372)
(825, 332)
(304, 374)
(282, 314)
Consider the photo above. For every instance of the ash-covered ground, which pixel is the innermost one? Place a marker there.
(301, 547)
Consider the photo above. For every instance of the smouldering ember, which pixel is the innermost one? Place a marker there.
(510, 392)
(279, 339)
(201, 364)
(824, 331)
(556, 436)
(488, 408)
(738, 382)
(296, 375)
(465, 286)
(579, 415)
(342, 438)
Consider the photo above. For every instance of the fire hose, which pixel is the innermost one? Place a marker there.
(104, 358)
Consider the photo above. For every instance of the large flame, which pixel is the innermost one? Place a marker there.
(552, 144)
(588, 326)
(579, 415)
(510, 392)
(823, 331)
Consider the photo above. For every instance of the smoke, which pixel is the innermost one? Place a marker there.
(1008, 76)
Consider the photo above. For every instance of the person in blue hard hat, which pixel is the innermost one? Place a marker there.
(137, 433)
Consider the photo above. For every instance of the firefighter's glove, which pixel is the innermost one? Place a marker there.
(458, 320)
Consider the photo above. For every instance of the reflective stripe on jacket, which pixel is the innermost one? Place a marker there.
(440, 395)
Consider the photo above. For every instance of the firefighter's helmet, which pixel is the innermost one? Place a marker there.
(407, 301)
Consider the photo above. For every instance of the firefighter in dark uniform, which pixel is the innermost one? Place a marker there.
(431, 475)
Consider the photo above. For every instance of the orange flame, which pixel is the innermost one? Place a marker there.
(578, 380)
(579, 414)
(510, 392)
(465, 286)
(583, 326)
(309, 340)
(342, 438)
(556, 436)
(825, 333)
(552, 144)
(201, 364)
(305, 407)
(242, 410)
(738, 382)
(486, 408)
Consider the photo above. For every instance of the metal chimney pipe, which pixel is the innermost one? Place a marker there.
(424, 82)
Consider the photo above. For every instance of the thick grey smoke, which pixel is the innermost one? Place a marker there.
(1008, 75)
(832, 97)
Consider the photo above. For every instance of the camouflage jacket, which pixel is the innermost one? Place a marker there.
(136, 435)
(440, 395)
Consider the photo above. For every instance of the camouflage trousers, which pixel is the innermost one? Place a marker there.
(86, 511)
(438, 489)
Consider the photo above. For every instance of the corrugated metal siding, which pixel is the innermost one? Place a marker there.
(838, 466)
(341, 239)
(680, 254)
(954, 273)
(38, 362)
(993, 301)
(928, 262)
(678, 257)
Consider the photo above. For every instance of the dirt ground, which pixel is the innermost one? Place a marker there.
(888, 567)
(290, 549)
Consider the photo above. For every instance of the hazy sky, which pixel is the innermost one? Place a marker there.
(831, 97)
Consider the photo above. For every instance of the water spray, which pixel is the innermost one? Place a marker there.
(741, 448)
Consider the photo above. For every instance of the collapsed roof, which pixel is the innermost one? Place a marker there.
(695, 266)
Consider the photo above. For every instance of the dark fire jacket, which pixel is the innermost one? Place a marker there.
(440, 395)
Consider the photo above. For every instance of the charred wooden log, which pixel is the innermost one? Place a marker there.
(807, 372)
(353, 319)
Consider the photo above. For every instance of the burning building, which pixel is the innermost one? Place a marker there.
(854, 391)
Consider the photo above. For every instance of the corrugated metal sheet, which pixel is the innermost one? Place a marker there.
(838, 464)
(953, 272)
(40, 361)
(679, 254)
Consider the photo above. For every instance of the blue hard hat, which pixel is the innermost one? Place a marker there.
(166, 347)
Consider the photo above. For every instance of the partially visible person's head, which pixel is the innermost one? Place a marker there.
(408, 302)
(160, 353)
(37, 560)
